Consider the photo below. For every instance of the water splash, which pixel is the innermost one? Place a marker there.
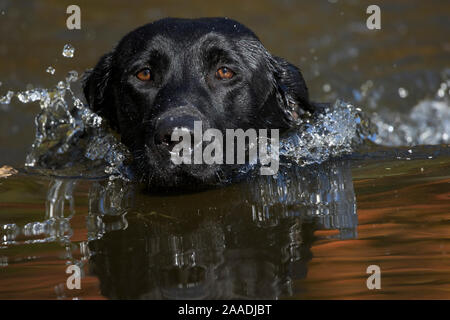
(337, 131)
(70, 139)
(6, 99)
(428, 123)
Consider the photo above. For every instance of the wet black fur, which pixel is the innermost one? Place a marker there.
(183, 55)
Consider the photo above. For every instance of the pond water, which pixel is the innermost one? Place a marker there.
(345, 203)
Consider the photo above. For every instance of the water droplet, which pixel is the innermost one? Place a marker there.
(61, 85)
(72, 76)
(68, 51)
(6, 99)
(326, 87)
(3, 261)
(78, 104)
(50, 70)
(23, 97)
(402, 92)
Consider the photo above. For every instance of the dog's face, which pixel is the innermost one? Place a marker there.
(172, 72)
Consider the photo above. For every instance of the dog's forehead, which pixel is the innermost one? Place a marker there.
(185, 31)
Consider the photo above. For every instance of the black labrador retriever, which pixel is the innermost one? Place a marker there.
(173, 72)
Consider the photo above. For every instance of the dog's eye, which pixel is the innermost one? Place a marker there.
(144, 75)
(224, 73)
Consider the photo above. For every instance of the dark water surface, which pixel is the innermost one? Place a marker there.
(309, 233)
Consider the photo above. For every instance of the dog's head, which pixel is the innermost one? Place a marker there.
(172, 72)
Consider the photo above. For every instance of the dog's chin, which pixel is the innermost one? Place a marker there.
(183, 177)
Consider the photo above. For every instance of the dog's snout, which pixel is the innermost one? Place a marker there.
(166, 126)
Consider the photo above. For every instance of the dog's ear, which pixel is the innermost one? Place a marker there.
(288, 100)
(98, 90)
(291, 89)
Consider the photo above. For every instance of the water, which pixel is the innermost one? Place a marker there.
(50, 70)
(70, 139)
(365, 184)
(68, 51)
(311, 233)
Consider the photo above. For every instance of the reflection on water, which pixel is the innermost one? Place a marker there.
(200, 245)
(291, 237)
(298, 236)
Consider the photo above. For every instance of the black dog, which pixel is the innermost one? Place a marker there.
(173, 72)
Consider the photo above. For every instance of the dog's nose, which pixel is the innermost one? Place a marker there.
(165, 127)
